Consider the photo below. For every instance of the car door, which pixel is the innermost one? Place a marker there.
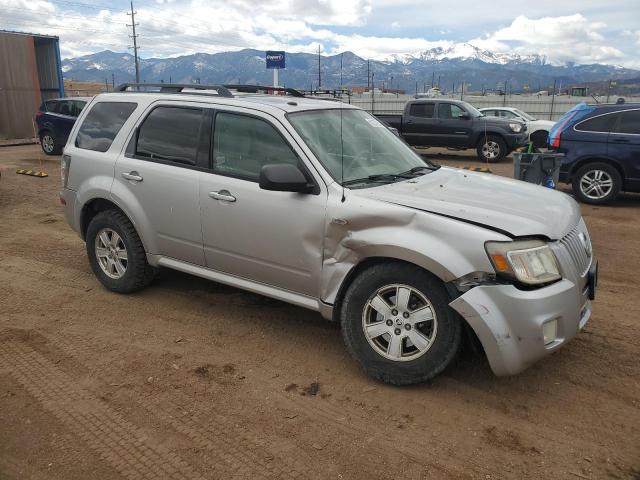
(157, 178)
(419, 124)
(624, 145)
(270, 237)
(454, 130)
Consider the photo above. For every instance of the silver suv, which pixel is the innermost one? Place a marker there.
(318, 204)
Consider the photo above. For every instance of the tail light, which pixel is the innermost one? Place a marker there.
(65, 166)
(555, 142)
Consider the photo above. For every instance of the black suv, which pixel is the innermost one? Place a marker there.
(601, 144)
(55, 120)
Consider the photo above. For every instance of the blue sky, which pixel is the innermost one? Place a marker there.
(567, 30)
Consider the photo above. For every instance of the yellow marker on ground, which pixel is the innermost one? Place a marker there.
(32, 173)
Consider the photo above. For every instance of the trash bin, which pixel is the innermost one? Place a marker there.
(537, 168)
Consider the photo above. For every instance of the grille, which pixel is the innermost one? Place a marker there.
(578, 245)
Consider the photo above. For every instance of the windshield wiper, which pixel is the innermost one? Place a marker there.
(419, 169)
(382, 177)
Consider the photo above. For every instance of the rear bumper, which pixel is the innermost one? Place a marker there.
(508, 321)
(68, 199)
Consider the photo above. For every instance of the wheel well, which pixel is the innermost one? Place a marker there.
(482, 136)
(581, 163)
(91, 209)
(538, 133)
(353, 274)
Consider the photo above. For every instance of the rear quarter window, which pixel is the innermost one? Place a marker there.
(629, 122)
(601, 123)
(102, 124)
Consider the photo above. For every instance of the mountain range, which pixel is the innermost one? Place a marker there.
(479, 70)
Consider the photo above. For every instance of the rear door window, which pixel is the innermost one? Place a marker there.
(629, 122)
(51, 106)
(102, 124)
(171, 134)
(424, 110)
(65, 108)
(601, 123)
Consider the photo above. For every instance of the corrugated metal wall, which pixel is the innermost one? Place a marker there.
(28, 73)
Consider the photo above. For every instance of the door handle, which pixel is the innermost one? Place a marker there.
(133, 176)
(409, 121)
(223, 195)
(620, 140)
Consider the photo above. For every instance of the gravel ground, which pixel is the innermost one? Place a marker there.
(191, 379)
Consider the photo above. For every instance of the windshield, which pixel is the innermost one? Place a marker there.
(367, 152)
(524, 115)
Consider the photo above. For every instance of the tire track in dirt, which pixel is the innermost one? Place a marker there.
(117, 441)
(244, 455)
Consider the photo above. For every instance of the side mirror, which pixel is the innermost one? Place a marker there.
(464, 116)
(284, 177)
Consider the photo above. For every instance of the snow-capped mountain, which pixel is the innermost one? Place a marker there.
(478, 68)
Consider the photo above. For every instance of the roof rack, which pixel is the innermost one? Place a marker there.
(219, 90)
(262, 89)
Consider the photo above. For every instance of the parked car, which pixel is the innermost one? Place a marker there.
(456, 124)
(538, 129)
(317, 204)
(55, 119)
(601, 147)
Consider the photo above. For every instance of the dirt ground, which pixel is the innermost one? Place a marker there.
(191, 379)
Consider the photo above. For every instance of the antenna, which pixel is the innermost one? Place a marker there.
(341, 137)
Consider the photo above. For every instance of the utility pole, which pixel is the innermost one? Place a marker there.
(608, 91)
(462, 90)
(341, 55)
(553, 99)
(113, 81)
(368, 75)
(319, 78)
(433, 78)
(135, 41)
(438, 81)
(106, 84)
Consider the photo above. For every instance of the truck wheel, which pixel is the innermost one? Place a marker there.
(596, 183)
(116, 254)
(397, 324)
(49, 143)
(491, 149)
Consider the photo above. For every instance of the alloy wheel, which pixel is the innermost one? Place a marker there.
(111, 253)
(596, 184)
(48, 144)
(399, 322)
(491, 150)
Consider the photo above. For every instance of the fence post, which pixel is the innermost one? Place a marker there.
(553, 99)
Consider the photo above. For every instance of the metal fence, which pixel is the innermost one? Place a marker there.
(542, 107)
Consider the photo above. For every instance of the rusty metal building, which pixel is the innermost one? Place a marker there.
(30, 72)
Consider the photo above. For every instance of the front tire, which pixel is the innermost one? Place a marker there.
(397, 324)
(49, 143)
(597, 183)
(116, 254)
(491, 149)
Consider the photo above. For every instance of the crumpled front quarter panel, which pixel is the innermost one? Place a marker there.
(361, 228)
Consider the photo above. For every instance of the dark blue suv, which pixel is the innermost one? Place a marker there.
(55, 120)
(601, 144)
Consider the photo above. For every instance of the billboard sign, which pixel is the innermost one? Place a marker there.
(275, 59)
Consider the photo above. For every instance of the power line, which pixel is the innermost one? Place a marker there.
(135, 41)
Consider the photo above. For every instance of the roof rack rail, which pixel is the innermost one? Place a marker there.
(263, 89)
(220, 90)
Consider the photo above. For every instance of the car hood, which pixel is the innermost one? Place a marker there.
(502, 204)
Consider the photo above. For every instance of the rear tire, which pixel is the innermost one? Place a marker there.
(116, 254)
(426, 345)
(49, 143)
(491, 149)
(596, 183)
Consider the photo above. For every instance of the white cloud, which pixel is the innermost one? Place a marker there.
(178, 27)
(560, 39)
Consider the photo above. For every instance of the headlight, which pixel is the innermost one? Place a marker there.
(516, 127)
(528, 261)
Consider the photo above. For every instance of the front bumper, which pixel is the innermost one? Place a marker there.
(508, 321)
(516, 140)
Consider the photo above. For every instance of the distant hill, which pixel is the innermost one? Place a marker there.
(479, 69)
